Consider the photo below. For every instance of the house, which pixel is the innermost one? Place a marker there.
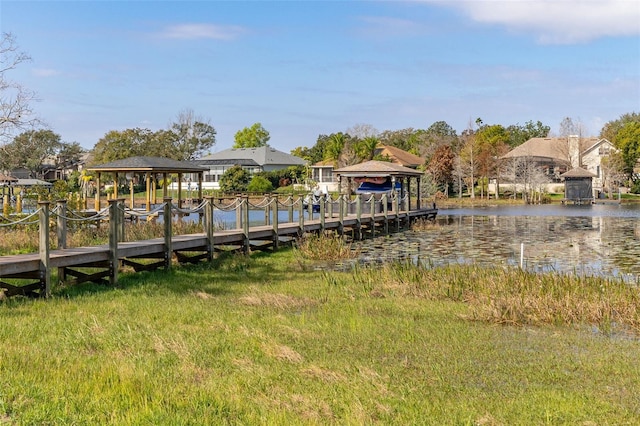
(554, 157)
(254, 160)
(322, 172)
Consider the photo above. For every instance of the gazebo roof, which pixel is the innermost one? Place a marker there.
(148, 164)
(5, 178)
(376, 168)
(578, 172)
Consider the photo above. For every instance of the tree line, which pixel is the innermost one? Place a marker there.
(451, 160)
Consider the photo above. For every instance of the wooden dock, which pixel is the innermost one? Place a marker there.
(30, 274)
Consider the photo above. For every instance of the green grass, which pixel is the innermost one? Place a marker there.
(269, 340)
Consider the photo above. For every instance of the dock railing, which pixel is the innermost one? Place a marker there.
(339, 214)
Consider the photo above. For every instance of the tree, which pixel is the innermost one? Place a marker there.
(610, 129)
(194, 136)
(366, 148)
(116, 145)
(520, 134)
(334, 147)
(628, 141)
(29, 150)
(405, 139)
(260, 184)
(441, 167)
(612, 172)
(491, 145)
(570, 127)
(361, 131)
(15, 111)
(251, 137)
(69, 154)
(235, 179)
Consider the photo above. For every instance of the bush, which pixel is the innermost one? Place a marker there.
(260, 184)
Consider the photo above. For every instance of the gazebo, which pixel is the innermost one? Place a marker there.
(150, 167)
(578, 185)
(381, 169)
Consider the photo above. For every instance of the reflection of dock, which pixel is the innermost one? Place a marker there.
(101, 263)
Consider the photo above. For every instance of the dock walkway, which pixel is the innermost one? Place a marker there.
(101, 263)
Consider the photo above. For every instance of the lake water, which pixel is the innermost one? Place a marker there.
(600, 240)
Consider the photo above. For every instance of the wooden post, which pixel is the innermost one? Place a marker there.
(208, 225)
(341, 202)
(61, 234)
(396, 210)
(322, 211)
(131, 195)
(165, 186)
(310, 207)
(179, 190)
(385, 211)
(113, 241)
(359, 216)
(372, 206)
(245, 223)
(168, 250)
(239, 201)
(290, 208)
(301, 216)
(419, 200)
(45, 273)
(121, 221)
(96, 202)
(61, 224)
(149, 191)
(267, 210)
(274, 220)
(330, 203)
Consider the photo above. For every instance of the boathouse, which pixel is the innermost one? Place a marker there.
(578, 185)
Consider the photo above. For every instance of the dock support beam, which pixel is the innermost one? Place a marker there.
(45, 276)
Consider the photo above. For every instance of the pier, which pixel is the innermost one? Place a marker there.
(31, 274)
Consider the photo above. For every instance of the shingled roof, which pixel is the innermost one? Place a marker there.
(578, 172)
(148, 164)
(263, 156)
(376, 168)
(399, 156)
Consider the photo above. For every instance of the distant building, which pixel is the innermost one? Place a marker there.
(554, 157)
(254, 160)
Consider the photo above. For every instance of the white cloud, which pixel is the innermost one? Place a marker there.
(202, 31)
(557, 21)
(44, 72)
(385, 26)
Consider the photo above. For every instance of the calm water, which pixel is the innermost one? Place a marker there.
(602, 240)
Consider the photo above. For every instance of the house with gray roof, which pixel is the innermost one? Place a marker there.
(254, 160)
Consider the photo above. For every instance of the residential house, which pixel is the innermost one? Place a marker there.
(556, 156)
(254, 160)
(322, 172)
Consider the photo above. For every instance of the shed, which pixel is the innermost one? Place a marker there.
(578, 185)
(150, 167)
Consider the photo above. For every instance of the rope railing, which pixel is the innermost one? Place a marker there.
(21, 221)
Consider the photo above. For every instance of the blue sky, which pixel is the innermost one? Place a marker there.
(305, 68)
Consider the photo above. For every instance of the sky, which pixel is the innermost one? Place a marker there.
(308, 68)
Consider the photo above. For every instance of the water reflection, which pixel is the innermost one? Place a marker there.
(591, 240)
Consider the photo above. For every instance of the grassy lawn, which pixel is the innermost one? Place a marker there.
(270, 340)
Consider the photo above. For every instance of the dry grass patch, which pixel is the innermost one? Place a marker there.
(282, 353)
(512, 296)
(326, 247)
(323, 374)
(277, 301)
